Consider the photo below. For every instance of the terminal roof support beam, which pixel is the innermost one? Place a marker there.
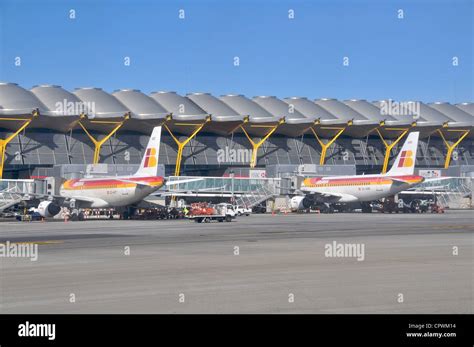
(98, 143)
(389, 146)
(182, 144)
(246, 120)
(5, 142)
(325, 146)
(451, 147)
(256, 145)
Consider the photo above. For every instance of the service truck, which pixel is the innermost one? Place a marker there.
(205, 213)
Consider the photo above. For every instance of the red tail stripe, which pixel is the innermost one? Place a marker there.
(147, 156)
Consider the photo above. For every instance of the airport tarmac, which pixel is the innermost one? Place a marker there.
(281, 265)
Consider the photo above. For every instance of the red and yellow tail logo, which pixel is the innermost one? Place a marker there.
(150, 157)
(406, 159)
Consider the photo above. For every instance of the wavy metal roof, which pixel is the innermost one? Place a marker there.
(459, 117)
(103, 104)
(372, 112)
(281, 109)
(53, 101)
(467, 107)
(387, 108)
(180, 107)
(344, 112)
(58, 101)
(141, 106)
(425, 115)
(216, 108)
(16, 101)
(242, 105)
(432, 115)
(312, 111)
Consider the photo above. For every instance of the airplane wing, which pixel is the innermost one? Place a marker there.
(436, 179)
(397, 181)
(79, 198)
(78, 202)
(58, 197)
(138, 183)
(332, 197)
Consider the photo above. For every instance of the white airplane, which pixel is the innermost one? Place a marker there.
(110, 192)
(362, 188)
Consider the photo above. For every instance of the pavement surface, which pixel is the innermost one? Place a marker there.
(407, 263)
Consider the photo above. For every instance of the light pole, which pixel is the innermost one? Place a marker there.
(231, 174)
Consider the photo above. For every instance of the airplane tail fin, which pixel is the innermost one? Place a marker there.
(149, 164)
(404, 164)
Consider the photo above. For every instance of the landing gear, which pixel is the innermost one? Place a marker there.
(415, 206)
(77, 215)
(366, 207)
(326, 208)
(128, 213)
(389, 205)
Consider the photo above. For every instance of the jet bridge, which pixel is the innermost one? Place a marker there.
(12, 192)
(244, 191)
(450, 192)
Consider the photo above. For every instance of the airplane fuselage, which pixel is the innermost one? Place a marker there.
(110, 192)
(360, 188)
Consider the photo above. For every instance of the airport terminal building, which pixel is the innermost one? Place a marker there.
(48, 127)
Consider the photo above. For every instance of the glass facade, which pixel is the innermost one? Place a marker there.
(38, 147)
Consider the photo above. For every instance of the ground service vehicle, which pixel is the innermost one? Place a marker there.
(205, 213)
(242, 210)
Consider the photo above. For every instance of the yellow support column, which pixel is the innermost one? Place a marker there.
(98, 143)
(182, 144)
(325, 146)
(5, 142)
(256, 145)
(388, 147)
(453, 146)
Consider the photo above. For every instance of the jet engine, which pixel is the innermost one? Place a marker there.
(48, 209)
(300, 203)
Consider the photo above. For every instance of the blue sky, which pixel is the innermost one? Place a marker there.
(402, 59)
